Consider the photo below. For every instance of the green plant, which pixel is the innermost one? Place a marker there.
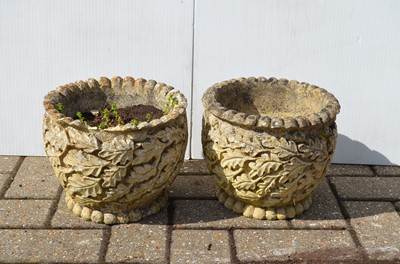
(134, 122)
(114, 110)
(81, 117)
(171, 103)
(60, 107)
(148, 117)
(105, 119)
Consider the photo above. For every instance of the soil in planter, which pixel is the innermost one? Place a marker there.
(140, 113)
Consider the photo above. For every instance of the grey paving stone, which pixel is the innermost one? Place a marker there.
(323, 213)
(350, 170)
(143, 242)
(194, 167)
(212, 214)
(397, 205)
(377, 226)
(64, 218)
(200, 246)
(367, 187)
(297, 245)
(24, 213)
(8, 163)
(67, 246)
(387, 170)
(200, 186)
(34, 179)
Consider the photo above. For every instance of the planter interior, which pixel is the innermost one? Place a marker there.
(117, 174)
(269, 143)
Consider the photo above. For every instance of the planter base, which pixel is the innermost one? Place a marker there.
(272, 213)
(100, 217)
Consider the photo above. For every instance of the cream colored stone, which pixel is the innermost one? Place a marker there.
(269, 142)
(116, 170)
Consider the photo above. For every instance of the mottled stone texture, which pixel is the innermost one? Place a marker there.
(269, 142)
(198, 246)
(116, 174)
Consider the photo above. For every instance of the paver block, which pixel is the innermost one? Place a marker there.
(193, 186)
(67, 246)
(323, 213)
(64, 218)
(387, 170)
(200, 246)
(34, 179)
(8, 163)
(297, 245)
(194, 167)
(350, 170)
(24, 213)
(212, 214)
(377, 226)
(138, 243)
(367, 187)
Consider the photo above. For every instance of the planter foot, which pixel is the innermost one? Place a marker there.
(108, 218)
(271, 213)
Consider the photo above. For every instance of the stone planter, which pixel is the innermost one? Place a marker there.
(117, 174)
(269, 143)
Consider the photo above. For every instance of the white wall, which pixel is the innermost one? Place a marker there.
(351, 48)
(46, 43)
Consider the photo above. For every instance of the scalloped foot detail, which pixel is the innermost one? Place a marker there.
(272, 213)
(100, 217)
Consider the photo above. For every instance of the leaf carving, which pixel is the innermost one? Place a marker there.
(86, 164)
(84, 141)
(263, 168)
(84, 186)
(113, 175)
(119, 150)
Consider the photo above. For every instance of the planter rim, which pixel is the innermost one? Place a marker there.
(326, 115)
(54, 97)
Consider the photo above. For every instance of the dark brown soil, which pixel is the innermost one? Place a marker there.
(139, 113)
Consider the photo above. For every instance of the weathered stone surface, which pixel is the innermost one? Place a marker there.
(269, 142)
(24, 213)
(270, 246)
(397, 205)
(47, 246)
(323, 213)
(194, 167)
(34, 179)
(8, 163)
(200, 246)
(387, 170)
(64, 218)
(137, 243)
(115, 174)
(212, 214)
(367, 187)
(349, 170)
(193, 186)
(377, 226)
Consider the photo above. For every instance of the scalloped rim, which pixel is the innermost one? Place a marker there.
(261, 213)
(54, 97)
(325, 116)
(131, 216)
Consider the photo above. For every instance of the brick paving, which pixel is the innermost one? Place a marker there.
(355, 218)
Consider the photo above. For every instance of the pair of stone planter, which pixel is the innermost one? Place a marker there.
(268, 142)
